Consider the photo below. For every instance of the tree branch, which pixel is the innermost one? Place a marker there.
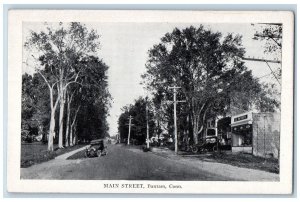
(47, 82)
(75, 81)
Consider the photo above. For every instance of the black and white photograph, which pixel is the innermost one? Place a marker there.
(132, 104)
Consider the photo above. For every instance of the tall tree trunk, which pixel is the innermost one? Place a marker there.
(72, 128)
(63, 92)
(61, 121)
(51, 131)
(75, 135)
(195, 130)
(196, 118)
(71, 135)
(52, 120)
(52, 113)
(190, 127)
(61, 107)
(68, 122)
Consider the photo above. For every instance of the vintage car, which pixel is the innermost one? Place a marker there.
(96, 149)
(206, 144)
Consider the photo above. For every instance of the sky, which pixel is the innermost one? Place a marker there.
(124, 48)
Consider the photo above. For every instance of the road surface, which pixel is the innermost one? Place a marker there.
(125, 163)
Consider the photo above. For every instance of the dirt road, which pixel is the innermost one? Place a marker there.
(124, 163)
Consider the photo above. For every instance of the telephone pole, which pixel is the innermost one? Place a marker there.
(130, 118)
(175, 117)
(148, 143)
(267, 62)
(261, 60)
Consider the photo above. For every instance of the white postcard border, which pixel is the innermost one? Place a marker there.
(16, 17)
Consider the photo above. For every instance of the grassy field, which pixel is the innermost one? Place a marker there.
(33, 153)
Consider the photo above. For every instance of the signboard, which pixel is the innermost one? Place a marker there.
(241, 118)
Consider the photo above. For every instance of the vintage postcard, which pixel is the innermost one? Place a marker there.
(150, 101)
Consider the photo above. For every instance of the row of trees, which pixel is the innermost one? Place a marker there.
(70, 77)
(139, 120)
(208, 67)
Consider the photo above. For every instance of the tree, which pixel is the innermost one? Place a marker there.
(58, 54)
(209, 69)
(34, 106)
(94, 100)
(271, 35)
(69, 131)
(138, 112)
(123, 123)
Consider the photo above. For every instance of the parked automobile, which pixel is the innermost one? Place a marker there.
(96, 149)
(206, 144)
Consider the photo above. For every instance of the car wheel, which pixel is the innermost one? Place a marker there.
(195, 149)
(86, 154)
(214, 148)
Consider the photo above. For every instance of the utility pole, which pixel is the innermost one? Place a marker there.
(175, 118)
(118, 138)
(148, 143)
(261, 60)
(267, 62)
(265, 137)
(130, 118)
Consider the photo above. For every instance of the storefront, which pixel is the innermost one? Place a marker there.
(256, 133)
(242, 133)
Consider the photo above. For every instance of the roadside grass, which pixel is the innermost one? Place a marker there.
(239, 159)
(246, 161)
(36, 152)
